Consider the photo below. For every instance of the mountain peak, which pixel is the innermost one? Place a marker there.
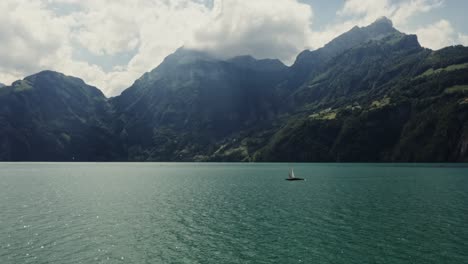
(184, 55)
(243, 58)
(58, 83)
(248, 61)
(380, 27)
(383, 21)
(48, 73)
(49, 76)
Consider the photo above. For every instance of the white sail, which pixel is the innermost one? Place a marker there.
(292, 177)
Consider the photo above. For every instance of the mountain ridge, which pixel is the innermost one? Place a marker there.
(51, 116)
(371, 94)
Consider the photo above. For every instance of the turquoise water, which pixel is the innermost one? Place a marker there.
(232, 213)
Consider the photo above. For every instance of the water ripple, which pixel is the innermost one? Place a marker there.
(239, 213)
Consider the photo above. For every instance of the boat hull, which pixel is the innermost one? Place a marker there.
(295, 179)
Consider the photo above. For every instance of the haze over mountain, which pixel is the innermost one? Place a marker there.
(371, 94)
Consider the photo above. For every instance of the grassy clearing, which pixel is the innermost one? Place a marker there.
(380, 103)
(457, 89)
(448, 69)
(327, 114)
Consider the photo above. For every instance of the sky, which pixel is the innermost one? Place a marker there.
(110, 43)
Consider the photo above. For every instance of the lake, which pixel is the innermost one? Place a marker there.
(233, 213)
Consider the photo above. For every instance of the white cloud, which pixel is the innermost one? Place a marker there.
(362, 13)
(399, 11)
(36, 35)
(29, 35)
(263, 28)
(36, 38)
(164, 29)
(437, 35)
(407, 9)
(463, 39)
(108, 32)
(375, 8)
(356, 12)
(153, 28)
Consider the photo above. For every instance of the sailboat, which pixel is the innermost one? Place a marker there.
(291, 176)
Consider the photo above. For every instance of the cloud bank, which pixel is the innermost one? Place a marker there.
(263, 28)
(74, 36)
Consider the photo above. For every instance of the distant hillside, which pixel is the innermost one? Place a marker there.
(372, 94)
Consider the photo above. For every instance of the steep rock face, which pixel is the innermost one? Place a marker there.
(50, 116)
(380, 29)
(198, 96)
(308, 63)
(370, 66)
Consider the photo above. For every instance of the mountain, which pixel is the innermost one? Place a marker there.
(2, 85)
(372, 94)
(383, 99)
(309, 63)
(50, 116)
(266, 65)
(405, 105)
(365, 67)
(192, 101)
